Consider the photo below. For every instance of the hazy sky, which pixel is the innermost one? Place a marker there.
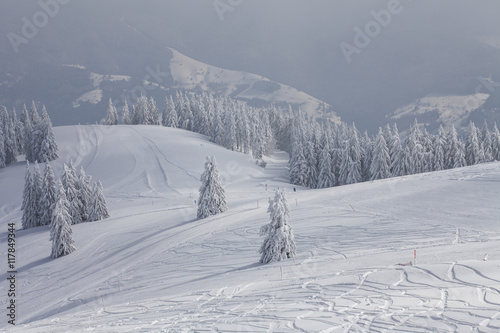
(425, 46)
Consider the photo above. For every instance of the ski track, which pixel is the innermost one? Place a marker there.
(189, 275)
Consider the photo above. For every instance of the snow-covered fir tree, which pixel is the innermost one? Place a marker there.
(126, 114)
(49, 195)
(29, 205)
(459, 158)
(85, 193)
(71, 185)
(20, 137)
(397, 153)
(9, 138)
(495, 143)
(452, 147)
(48, 147)
(153, 117)
(111, 115)
(33, 114)
(279, 242)
(140, 111)
(473, 151)
(326, 176)
(212, 199)
(2, 150)
(439, 150)
(487, 144)
(28, 139)
(169, 117)
(61, 233)
(381, 160)
(98, 210)
(38, 193)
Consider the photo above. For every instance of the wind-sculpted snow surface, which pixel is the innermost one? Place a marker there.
(154, 267)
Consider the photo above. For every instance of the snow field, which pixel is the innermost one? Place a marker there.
(153, 266)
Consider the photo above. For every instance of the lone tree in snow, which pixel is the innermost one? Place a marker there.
(97, 208)
(212, 199)
(279, 243)
(61, 234)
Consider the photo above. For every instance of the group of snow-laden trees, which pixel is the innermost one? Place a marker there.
(322, 154)
(60, 204)
(279, 242)
(30, 135)
(226, 122)
(330, 155)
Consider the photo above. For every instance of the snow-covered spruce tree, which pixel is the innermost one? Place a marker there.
(353, 176)
(85, 193)
(487, 143)
(9, 139)
(186, 115)
(169, 117)
(495, 143)
(111, 115)
(126, 115)
(38, 192)
(451, 149)
(2, 150)
(140, 111)
(326, 176)
(279, 242)
(212, 198)
(344, 165)
(473, 152)
(217, 135)
(28, 139)
(459, 159)
(48, 147)
(71, 186)
(28, 207)
(230, 131)
(439, 150)
(49, 195)
(20, 137)
(153, 117)
(61, 233)
(98, 210)
(397, 153)
(34, 116)
(381, 161)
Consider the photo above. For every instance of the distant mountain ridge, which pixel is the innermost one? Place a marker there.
(76, 94)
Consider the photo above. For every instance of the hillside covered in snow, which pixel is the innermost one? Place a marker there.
(152, 266)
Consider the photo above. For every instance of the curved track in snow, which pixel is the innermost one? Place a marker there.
(153, 266)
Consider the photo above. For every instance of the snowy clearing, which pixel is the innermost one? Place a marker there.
(451, 110)
(154, 267)
(92, 97)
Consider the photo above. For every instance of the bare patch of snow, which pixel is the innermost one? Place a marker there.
(189, 73)
(93, 97)
(98, 78)
(451, 109)
(74, 66)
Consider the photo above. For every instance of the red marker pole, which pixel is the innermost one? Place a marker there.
(414, 257)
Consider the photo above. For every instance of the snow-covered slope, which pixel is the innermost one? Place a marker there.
(191, 74)
(446, 110)
(153, 267)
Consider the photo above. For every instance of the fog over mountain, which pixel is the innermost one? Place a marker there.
(352, 55)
